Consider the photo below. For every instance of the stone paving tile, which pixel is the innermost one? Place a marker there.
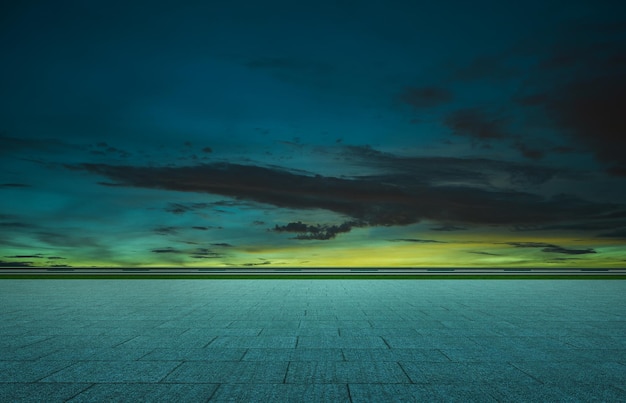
(29, 371)
(394, 354)
(585, 392)
(40, 392)
(138, 331)
(566, 392)
(28, 353)
(189, 323)
(293, 354)
(587, 355)
(195, 354)
(341, 342)
(228, 372)
(149, 341)
(100, 341)
(378, 332)
(496, 354)
(113, 371)
(22, 341)
(345, 324)
(253, 342)
(345, 372)
(462, 340)
(64, 331)
(210, 333)
(417, 325)
(459, 373)
(598, 342)
(430, 342)
(367, 393)
(262, 324)
(523, 342)
(146, 392)
(281, 393)
(307, 331)
(97, 354)
(554, 373)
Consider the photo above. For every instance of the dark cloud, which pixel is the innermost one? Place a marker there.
(166, 250)
(289, 66)
(222, 244)
(415, 240)
(530, 244)
(318, 231)
(558, 249)
(448, 227)
(442, 170)
(16, 225)
(207, 150)
(257, 264)
(197, 253)
(534, 154)
(103, 149)
(618, 233)
(591, 111)
(425, 97)
(484, 253)
(180, 208)
(550, 248)
(372, 200)
(579, 87)
(37, 256)
(11, 145)
(11, 265)
(204, 253)
(164, 230)
(476, 124)
(485, 67)
(14, 185)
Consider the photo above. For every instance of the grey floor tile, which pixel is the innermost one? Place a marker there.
(29, 353)
(29, 371)
(281, 393)
(366, 393)
(146, 392)
(113, 371)
(462, 340)
(600, 373)
(341, 342)
(380, 332)
(460, 373)
(394, 354)
(307, 331)
(253, 342)
(228, 372)
(439, 342)
(195, 354)
(345, 372)
(150, 342)
(119, 353)
(40, 392)
(293, 354)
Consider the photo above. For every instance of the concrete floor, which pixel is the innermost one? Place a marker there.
(312, 340)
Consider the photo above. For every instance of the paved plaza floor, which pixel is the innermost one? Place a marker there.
(312, 340)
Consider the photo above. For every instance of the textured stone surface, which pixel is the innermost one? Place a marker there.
(318, 340)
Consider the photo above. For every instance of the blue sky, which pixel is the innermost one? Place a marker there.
(319, 133)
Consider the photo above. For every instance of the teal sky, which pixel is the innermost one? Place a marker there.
(326, 133)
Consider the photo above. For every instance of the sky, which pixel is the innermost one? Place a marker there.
(313, 133)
